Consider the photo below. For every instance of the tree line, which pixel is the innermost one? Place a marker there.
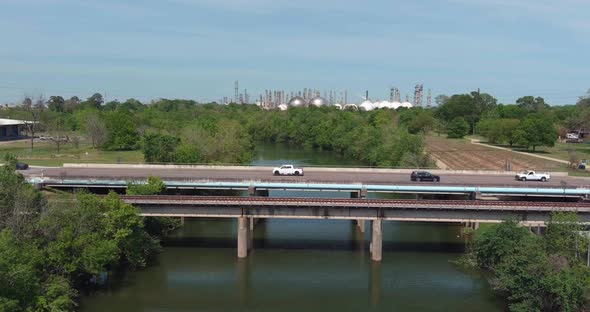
(529, 123)
(184, 131)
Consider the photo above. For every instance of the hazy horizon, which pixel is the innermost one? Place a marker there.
(197, 49)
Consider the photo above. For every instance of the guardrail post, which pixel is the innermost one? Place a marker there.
(376, 240)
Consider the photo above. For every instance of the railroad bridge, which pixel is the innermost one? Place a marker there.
(248, 210)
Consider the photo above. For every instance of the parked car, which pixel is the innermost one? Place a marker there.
(287, 170)
(424, 176)
(530, 175)
(21, 166)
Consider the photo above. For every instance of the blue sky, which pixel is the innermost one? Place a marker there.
(195, 49)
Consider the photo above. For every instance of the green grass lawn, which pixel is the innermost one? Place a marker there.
(45, 153)
(561, 150)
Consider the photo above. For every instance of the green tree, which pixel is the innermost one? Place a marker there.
(421, 123)
(499, 130)
(521, 273)
(57, 295)
(511, 111)
(160, 147)
(19, 282)
(154, 186)
(536, 131)
(457, 128)
(458, 105)
(20, 203)
(493, 245)
(95, 100)
(187, 154)
(484, 102)
(56, 103)
(532, 103)
(563, 236)
(122, 131)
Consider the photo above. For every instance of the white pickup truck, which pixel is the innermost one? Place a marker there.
(533, 176)
(287, 170)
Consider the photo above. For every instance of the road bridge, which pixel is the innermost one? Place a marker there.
(249, 209)
(260, 179)
(313, 175)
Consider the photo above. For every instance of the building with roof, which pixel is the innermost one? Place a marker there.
(12, 129)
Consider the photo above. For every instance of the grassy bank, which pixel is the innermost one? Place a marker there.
(45, 153)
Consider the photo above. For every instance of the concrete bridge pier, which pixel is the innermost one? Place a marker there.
(475, 196)
(376, 240)
(243, 237)
(362, 193)
(361, 225)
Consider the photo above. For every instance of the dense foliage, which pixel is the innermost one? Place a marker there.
(537, 273)
(51, 248)
(183, 131)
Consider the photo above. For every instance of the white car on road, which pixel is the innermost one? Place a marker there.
(533, 176)
(287, 170)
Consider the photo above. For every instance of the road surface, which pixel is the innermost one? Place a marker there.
(312, 175)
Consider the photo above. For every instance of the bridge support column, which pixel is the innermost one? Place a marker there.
(376, 240)
(243, 232)
(475, 225)
(361, 225)
(475, 196)
(181, 220)
(362, 193)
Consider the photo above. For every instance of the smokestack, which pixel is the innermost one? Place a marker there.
(367, 95)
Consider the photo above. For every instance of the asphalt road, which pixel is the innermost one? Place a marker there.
(311, 176)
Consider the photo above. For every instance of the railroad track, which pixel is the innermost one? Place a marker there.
(344, 202)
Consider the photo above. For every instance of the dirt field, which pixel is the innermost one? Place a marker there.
(461, 154)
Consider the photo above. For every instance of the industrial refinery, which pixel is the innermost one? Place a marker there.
(279, 99)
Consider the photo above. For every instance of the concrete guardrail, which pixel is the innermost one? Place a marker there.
(307, 169)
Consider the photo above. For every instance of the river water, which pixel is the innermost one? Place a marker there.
(302, 265)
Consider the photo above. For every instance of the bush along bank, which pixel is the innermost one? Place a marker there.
(52, 249)
(535, 272)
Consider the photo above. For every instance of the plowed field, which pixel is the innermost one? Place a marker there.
(461, 154)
